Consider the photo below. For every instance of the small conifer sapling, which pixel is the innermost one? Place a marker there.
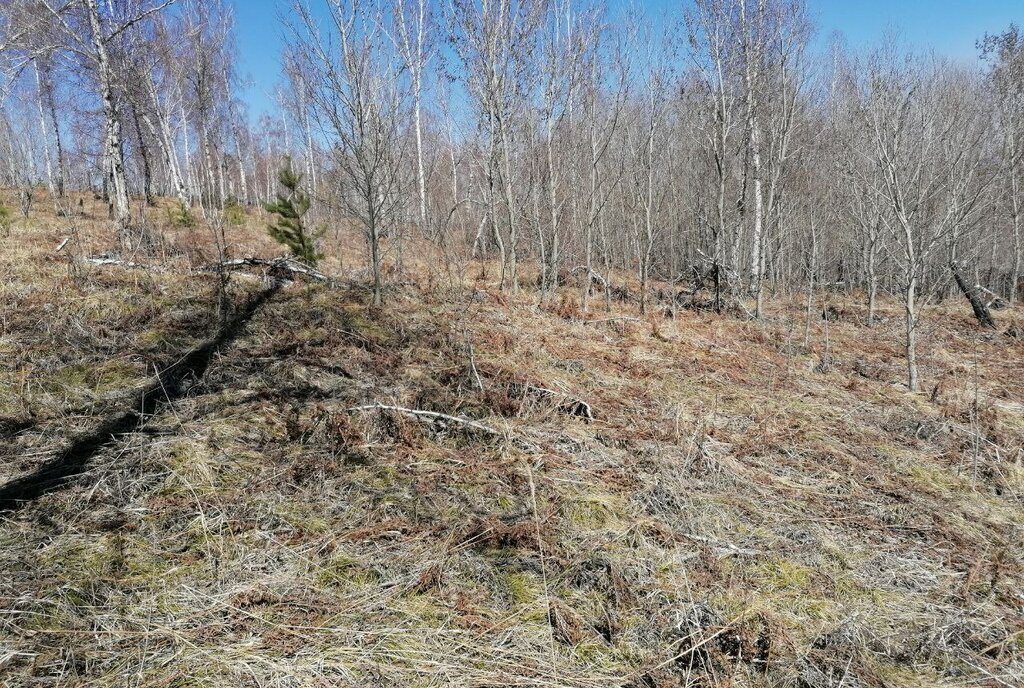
(290, 208)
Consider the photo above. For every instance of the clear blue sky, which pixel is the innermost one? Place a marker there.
(950, 27)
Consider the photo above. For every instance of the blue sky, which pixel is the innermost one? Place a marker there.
(950, 27)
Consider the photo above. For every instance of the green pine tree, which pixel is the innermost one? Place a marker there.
(288, 227)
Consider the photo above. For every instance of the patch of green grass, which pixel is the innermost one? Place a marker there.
(143, 565)
(343, 570)
(849, 592)
(6, 220)
(425, 608)
(161, 339)
(522, 588)
(99, 378)
(593, 511)
(917, 676)
(934, 478)
(234, 213)
(596, 655)
(82, 558)
(783, 574)
(355, 320)
(305, 517)
(788, 591)
(192, 463)
(181, 215)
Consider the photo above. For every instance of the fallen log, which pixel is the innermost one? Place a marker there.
(105, 260)
(624, 318)
(981, 311)
(277, 266)
(282, 264)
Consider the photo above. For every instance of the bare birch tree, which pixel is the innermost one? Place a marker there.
(925, 135)
(1005, 54)
(357, 100)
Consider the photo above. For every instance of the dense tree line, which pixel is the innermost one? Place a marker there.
(129, 98)
(719, 146)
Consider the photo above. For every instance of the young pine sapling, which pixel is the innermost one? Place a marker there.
(290, 208)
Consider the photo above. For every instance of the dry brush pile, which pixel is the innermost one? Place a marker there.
(732, 508)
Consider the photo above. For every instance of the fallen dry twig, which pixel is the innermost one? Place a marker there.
(439, 421)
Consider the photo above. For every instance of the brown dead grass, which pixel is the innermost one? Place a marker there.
(736, 514)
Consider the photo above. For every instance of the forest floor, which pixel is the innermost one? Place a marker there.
(741, 509)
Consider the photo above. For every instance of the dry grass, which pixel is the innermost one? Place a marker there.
(737, 514)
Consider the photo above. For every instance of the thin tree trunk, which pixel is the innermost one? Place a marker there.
(754, 130)
(189, 171)
(243, 194)
(510, 211)
(492, 177)
(1015, 212)
(211, 184)
(740, 224)
(588, 231)
(51, 104)
(51, 185)
(378, 289)
(552, 270)
(147, 173)
(645, 258)
(870, 246)
(910, 305)
(119, 203)
(162, 136)
(421, 178)
(535, 194)
(811, 268)
(721, 229)
(308, 130)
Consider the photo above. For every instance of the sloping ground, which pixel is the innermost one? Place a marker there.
(740, 512)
